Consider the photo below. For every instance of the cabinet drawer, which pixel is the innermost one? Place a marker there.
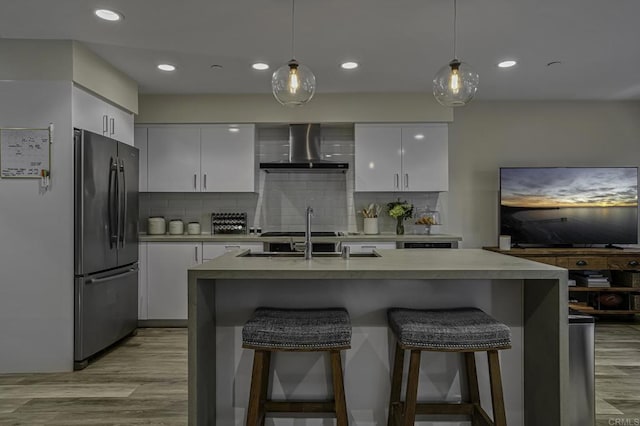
(549, 260)
(629, 263)
(583, 262)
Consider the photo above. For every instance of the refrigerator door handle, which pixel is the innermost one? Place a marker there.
(113, 277)
(123, 212)
(113, 170)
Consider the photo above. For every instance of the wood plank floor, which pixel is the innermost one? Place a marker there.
(141, 382)
(144, 382)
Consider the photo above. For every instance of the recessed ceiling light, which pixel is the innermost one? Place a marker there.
(108, 15)
(418, 136)
(349, 65)
(166, 67)
(507, 64)
(260, 66)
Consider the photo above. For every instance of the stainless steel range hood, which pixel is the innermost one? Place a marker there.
(304, 153)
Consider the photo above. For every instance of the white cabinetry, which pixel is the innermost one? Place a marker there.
(140, 142)
(98, 116)
(173, 159)
(142, 281)
(167, 265)
(369, 246)
(401, 157)
(213, 158)
(227, 158)
(213, 250)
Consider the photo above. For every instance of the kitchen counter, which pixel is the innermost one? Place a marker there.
(258, 238)
(528, 296)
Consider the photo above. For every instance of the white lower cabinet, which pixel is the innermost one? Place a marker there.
(213, 250)
(167, 265)
(368, 247)
(142, 281)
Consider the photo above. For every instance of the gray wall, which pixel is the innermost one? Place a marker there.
(488, 135)
(36, 238)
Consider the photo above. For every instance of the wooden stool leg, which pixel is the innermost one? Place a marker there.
(412, 389)
(338, 389)
(472, 383)
(256, 399)
(497, 398)
(266, 363)
(396, 385)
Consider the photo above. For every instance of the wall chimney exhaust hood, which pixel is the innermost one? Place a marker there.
(304, 153)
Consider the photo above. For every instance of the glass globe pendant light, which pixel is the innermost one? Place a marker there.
(293, 84)
(456, 83)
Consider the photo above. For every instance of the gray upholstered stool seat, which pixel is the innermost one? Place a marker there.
(464, 330)
(448, 329)
(298, 329)
(272, 330)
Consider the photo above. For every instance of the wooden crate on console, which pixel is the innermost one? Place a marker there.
(626, 278)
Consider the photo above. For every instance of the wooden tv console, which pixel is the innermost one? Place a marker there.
(621, 266)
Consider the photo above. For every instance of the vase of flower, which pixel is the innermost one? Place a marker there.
(400, 210)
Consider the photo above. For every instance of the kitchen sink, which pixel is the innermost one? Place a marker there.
(299, 254)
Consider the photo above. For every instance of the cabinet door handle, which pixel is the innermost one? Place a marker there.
(195, 181)
(406, 180)
(581, 263)
(105, 124)
(196, 247)
(112, 123)
(205, 181)
(396, 181)
(633, 263)
(229, 248)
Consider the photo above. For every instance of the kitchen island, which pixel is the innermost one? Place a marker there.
(529, 297)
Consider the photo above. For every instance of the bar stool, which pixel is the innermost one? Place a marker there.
(305, 330)
(466, 330)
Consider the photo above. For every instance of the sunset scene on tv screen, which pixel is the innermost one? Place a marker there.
(569, 187)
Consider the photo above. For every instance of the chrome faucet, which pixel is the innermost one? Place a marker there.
(308, 247)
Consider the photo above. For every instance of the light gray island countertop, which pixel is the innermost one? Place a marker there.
(528, 296)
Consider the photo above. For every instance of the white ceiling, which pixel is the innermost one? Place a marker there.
(400, 44)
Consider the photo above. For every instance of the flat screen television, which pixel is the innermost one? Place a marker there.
(569, 206)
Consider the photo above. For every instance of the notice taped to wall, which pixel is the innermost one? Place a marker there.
(25, 153)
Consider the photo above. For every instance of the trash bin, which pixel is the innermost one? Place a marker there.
(581, 369)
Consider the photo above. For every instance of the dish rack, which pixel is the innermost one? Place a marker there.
(229, 223)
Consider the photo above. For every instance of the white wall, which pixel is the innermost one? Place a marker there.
(485, 136)
(36, 238)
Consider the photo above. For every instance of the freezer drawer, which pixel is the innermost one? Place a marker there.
(106, 309)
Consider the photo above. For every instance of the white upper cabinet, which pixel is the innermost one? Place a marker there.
(140, 142)
(412, 157)
(173, 159)
(378, 158)
(211, 158)
(227, 158)
(98, 116)
(425, 159)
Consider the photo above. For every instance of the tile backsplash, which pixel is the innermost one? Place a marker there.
(282, 198)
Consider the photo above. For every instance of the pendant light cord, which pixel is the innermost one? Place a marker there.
(293, 32)
(455, 12)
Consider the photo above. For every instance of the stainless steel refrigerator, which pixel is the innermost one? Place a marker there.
(106, 243)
